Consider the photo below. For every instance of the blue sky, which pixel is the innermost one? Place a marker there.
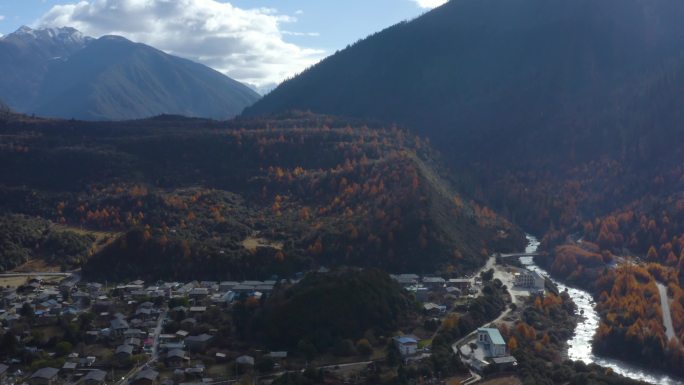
(260, 42)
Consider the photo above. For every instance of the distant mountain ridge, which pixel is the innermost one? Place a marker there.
(59, 72)
(25, 56)
(509, 77)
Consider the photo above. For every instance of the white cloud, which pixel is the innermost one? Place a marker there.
(245, 44)
(293, 33)
(2, 17)
(429, 3)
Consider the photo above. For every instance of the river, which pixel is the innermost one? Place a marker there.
(580, 346)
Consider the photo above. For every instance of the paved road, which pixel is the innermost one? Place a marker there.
(490, 264)
(351, 364)
(129, 375)
(155, 352)
(474, 377)
(667, 317)
(507, 279)
(157, 333)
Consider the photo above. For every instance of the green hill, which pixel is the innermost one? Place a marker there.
(249, 197)
(318, 308)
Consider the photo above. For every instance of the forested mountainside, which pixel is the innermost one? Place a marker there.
(563, 115)
(557, 113)
(247, 197)
(514, 81)
(59, 72)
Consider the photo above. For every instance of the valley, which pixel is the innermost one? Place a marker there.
(280, 218)
(363, 221)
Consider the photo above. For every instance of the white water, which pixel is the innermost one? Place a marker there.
(580, 347)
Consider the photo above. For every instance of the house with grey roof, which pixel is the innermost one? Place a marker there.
(227, 285)
(245, 360)
(175, 358)
(118, 326)
(3, 373)
(198, 343)
(242, 288)
(123, 351)
(145, 377)
(44, 376)
(198, 293)
(94, 377)
(433, 282)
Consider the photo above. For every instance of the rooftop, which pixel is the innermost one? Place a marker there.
(494, 335)
(147, 374)
(96, 375)
(504, 360)
(405, 340)
(47, 373)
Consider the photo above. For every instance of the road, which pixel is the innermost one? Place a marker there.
(157, 333)
(353, 366)
(507, 278)
(490, 264)
(341, 366)
(667, 317)
(474, 377)
(155, 351)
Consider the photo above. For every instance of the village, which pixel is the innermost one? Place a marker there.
(68, 331)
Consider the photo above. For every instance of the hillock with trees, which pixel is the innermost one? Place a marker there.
(248, 197)
(23, 238)
(316, 311)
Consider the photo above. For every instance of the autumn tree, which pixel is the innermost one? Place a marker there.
(512, 343)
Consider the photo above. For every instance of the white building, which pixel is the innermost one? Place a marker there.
(530, 280)
(407, 345)
(491, 342)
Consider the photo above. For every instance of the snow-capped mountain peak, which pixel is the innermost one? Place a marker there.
(63, 35)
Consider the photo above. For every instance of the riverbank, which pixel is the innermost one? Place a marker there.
(580, 346)
(540, 338)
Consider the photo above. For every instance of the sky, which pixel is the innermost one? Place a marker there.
(258, 42)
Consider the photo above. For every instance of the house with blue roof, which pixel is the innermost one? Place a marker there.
(407, 345)
(492, 342)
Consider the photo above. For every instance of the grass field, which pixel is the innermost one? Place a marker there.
(101, 237)
(20, 280)
(505, 380)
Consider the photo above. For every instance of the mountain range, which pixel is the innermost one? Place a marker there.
(59, 72)
(513, 80)
(565, 116)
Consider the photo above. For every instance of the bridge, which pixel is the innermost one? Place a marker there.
(516, 255)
